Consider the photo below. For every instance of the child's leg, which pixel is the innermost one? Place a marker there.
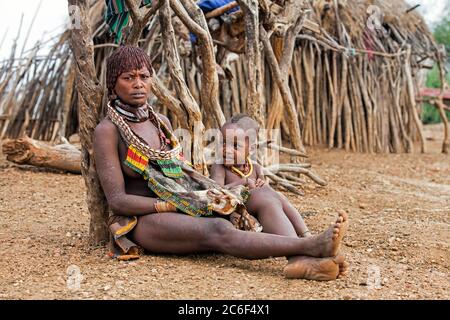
(294, 216)
(268, 198)
(289, 210)
(268, 209)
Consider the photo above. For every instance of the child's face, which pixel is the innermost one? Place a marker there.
(235, 146)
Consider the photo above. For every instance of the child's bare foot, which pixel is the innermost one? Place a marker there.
(327, 243)
(320, 269)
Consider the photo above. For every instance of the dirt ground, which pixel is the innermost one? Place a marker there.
(397, 245)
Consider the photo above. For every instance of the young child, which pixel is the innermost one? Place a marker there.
(239, 142)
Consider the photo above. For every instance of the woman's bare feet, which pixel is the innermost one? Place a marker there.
(327, 243)
(320, 269)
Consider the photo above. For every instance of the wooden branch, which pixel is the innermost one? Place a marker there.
(440, 104)
(174, 67)
(64, 157)
(288, 166)
(431, 101)
(140, 20)
(293, 179)
(413, 8)
(289, 42)
(138, 26)
(285, 184)
(219, 11)
(338, 48)
(283, 86)
(253, 57)
(446, 143)
(292, 152)
(298, 169)
(133, 9)
(191, 118)
(192, 16)
(192, 25)
(412, 100)
(156, 4)
(165, 96)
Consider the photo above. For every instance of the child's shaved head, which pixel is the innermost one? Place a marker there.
(245, 122)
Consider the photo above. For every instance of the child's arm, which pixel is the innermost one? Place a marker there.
(259, 171)
(260, 178)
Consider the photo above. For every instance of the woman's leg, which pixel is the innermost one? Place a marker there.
(181, 234)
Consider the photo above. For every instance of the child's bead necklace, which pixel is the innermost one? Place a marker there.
(248, 166)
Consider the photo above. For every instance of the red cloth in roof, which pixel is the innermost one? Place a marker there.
(433, 92)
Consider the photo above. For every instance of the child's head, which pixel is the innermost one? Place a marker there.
(251, 128)
(245, 122)
(235, 144)
(240, 139)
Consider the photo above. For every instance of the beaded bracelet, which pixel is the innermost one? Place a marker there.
(162, 206)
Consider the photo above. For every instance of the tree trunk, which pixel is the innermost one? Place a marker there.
(89, 97)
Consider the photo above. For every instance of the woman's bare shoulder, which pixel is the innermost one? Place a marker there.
(105, 126)
(165, 119)
(107, 129)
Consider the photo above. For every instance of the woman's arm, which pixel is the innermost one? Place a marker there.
(109, 170)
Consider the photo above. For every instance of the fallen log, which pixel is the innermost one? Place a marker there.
(27, 151)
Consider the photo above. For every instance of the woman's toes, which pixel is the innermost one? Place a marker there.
(343, 268)
(339, 259)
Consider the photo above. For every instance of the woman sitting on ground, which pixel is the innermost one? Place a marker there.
(164, 206)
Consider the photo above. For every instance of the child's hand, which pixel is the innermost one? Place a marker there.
(251, 184)
(260, 183)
